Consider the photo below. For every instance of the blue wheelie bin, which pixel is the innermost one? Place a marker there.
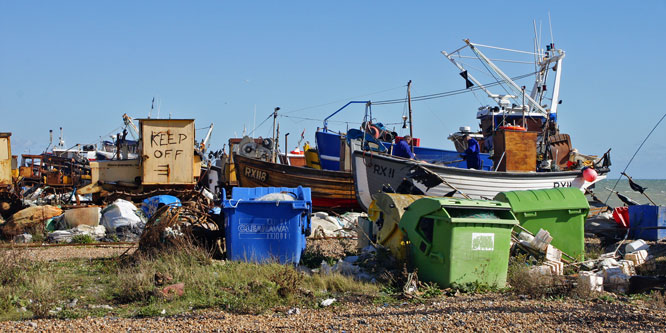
(267, 224)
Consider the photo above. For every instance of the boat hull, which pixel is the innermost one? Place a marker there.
(372, 172)
(331, 190)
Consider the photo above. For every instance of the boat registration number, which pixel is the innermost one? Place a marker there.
(256, 174)
(562, 184)
(383, 171)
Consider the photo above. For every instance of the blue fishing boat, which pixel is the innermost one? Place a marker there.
(333, 153)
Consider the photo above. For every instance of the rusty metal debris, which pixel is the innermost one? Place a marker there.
(184, 194)
(189, 224)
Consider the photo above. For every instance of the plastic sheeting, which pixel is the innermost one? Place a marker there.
(324, 225)
(121, 213)
(65, 236)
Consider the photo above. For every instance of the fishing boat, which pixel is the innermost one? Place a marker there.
(374, 173)
(520, 133)
(333, 151)
(331, 190)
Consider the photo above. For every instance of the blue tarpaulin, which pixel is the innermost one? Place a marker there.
(152, 204)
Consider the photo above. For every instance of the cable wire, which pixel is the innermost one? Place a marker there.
(254, 129)
(446, 93)
(632, 158)
(339, 101)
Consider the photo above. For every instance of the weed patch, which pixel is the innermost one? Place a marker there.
(657, 300)
(43, 295)
(523, 281)
(133, 286)
(83, 239)
(473, 288)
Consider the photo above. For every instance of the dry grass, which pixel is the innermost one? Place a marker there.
(337, 283)
(657, 300)
(136, 274)
(131, 286)
(24, 285)
(523, 281)
(44, 295)
(235, 286)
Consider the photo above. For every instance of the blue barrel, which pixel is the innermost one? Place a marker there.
(647, 222)
(261, 229)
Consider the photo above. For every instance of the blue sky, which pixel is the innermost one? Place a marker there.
(81, 65)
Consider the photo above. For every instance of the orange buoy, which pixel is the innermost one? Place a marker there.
(589, 174)
(514, 128)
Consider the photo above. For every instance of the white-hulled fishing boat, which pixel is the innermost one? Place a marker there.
(520, 133)
(374, 173)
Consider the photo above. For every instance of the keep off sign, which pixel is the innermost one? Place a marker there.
(168, 151)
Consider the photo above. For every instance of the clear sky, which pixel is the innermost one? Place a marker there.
(82, 64)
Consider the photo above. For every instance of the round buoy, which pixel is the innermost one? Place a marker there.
(589, 174)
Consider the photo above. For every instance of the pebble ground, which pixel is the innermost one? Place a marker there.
(489, 312)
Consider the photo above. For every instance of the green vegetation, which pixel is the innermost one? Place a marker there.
(133, 286)
(474, 288)
(525, 282)
(83, 239)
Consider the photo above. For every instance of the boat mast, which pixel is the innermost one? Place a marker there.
(505, 77)
(449, 56)
(558, 74)
(409, 105)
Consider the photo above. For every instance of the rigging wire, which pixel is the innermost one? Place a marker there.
(340, 101)
(632, 158)
(498, 79)
(320, 120)
(446, 93)
(254, 129)
(394, 101)
(434, 114)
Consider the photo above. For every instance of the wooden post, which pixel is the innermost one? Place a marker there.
(286, 150)
(409, 105)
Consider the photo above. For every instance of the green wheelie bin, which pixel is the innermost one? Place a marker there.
(458, 240)
(560, 211)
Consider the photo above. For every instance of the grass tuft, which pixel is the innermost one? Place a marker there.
(83, 239)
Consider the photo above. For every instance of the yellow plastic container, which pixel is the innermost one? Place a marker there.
(386, 211)
(311, 157)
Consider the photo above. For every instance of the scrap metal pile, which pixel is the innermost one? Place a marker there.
(156, 222)
(182, 225)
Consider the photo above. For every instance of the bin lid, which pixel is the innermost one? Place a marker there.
(430, 205)
(250, 193)
(544, 200)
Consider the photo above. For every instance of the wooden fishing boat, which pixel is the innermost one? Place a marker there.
(374, 173)
(331, 190)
